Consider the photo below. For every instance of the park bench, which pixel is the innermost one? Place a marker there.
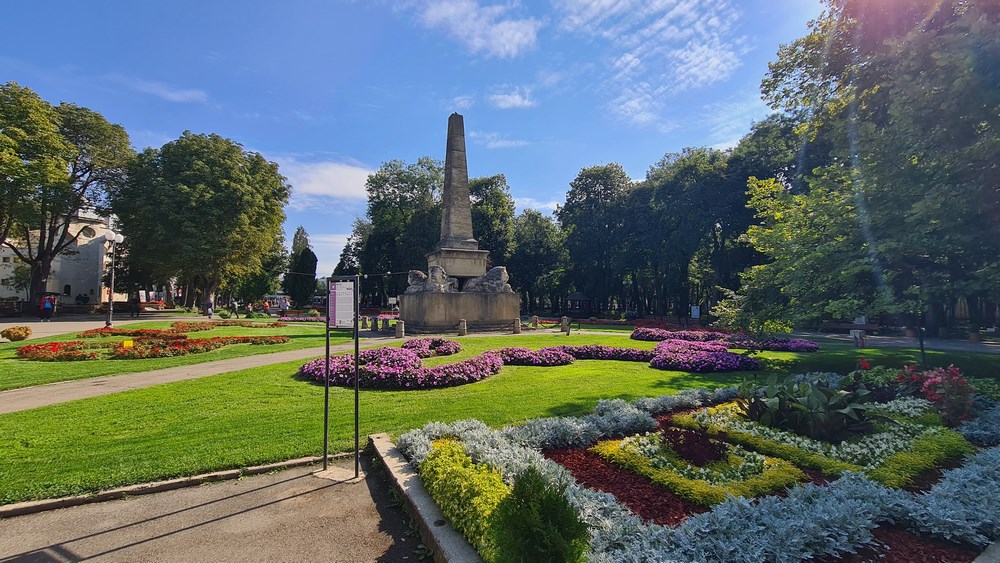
(10, 308)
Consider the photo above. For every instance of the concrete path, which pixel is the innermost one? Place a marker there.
(940, 344)
(52, 393)
(289, 515)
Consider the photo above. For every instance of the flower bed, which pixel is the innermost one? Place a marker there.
(56, 352)
(396, 368)
(809, 521)
(703, 362)
(427, 347)
(517, 356)
(730, 341)
(658, 334)
(302, 319)
(143, 349)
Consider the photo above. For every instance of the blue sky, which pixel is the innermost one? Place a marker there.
(331, 89)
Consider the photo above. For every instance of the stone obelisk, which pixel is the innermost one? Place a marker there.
(457, 251)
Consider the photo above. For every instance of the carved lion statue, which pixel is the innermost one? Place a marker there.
(493, 281)
(435, 281)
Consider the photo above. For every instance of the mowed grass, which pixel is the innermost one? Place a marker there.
(269, 414)
(16, 373)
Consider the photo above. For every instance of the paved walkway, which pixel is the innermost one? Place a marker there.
(289, 515)
(52, 393)
(941, 344)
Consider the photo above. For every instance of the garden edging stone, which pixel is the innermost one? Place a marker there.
(448, 545)
(33, 506)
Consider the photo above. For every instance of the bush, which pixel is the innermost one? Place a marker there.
(467, 493)
(225, 314)
(16, 333)
(537, 523)
(312, 313)
(257, 315)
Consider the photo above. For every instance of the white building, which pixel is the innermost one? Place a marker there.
(76, 271)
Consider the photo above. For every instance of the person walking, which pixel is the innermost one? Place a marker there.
(267, 307)
(46, 307)
(134, 302)
(208, 308)
(234, 308)
(283, 307)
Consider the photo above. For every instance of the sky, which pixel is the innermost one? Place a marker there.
(332, 89)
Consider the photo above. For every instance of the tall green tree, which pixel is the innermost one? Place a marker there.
(33, 154)
(593, 221)
(96, 157)
(300, 281)
(300, 240)
(202, 208)
(493, 216)
(537, 263)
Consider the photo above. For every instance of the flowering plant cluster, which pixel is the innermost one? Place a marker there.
(74, 350)
(945, 387)
(156, 348)
(16, 333)
(600, 352)
(104, 332)
(302, 319)
(427, 347)
(689, 346)
(518, 356)
(396, 368)
(658, 334)
(389, 316)
(773, 344)
(197, 326)
(704, 362)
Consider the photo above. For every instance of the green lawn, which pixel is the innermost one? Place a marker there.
(16, 373)
(268, 414)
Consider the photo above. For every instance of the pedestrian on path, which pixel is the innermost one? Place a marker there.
(209, 308)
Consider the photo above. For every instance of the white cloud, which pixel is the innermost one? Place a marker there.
(317, 185)
(460, 103)
(522, 203)
(494, 140)
(728, 122)
(486, 30)
(681, 45)
(161, 90)
(327, 247)
(518, 97)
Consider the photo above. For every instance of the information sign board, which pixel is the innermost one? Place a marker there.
(342, 304)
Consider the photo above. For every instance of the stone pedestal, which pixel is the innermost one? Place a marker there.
(441, 312)
(459, 263)
(564, 325)
(517, 326)
(400, 329)
(534, 321)
(463, 327)
(364, 323)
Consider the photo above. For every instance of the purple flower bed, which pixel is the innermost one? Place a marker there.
(775, 344)
(689, 346)
(658, 334)
(395, 368)
(302, 319)
(599, 352)
(702, 362)
(517, 356)
(427, 347)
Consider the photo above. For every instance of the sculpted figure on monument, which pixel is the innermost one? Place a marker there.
(493, 281)
(436, 282)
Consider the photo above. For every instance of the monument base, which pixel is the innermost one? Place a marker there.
(426, 313)
(459, 262)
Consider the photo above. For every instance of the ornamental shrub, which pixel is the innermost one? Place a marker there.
(427, 347)
(467, 493)
(984, 430)
(537, 523)
(945, 387)
(518, 356)
(16, 333)
(704, 362)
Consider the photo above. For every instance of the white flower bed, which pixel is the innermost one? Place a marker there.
(906, 406)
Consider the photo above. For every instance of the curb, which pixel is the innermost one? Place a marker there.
(436, 532)
(33, 506)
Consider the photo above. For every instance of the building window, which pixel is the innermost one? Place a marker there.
(5, 281)
(6, 259)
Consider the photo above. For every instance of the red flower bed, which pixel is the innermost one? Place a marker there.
(649, 501)
(136, 333)
(142, 350)
(56, 352)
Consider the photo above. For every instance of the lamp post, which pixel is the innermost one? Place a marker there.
(115, 239)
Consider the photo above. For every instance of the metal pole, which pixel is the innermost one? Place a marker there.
(920, 334)
(326, 382)
(111, 287)
(357, 383)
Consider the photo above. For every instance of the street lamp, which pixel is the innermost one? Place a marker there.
(115, 239)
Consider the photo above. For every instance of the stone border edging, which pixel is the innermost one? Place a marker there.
(435, 531)
(33, 506)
